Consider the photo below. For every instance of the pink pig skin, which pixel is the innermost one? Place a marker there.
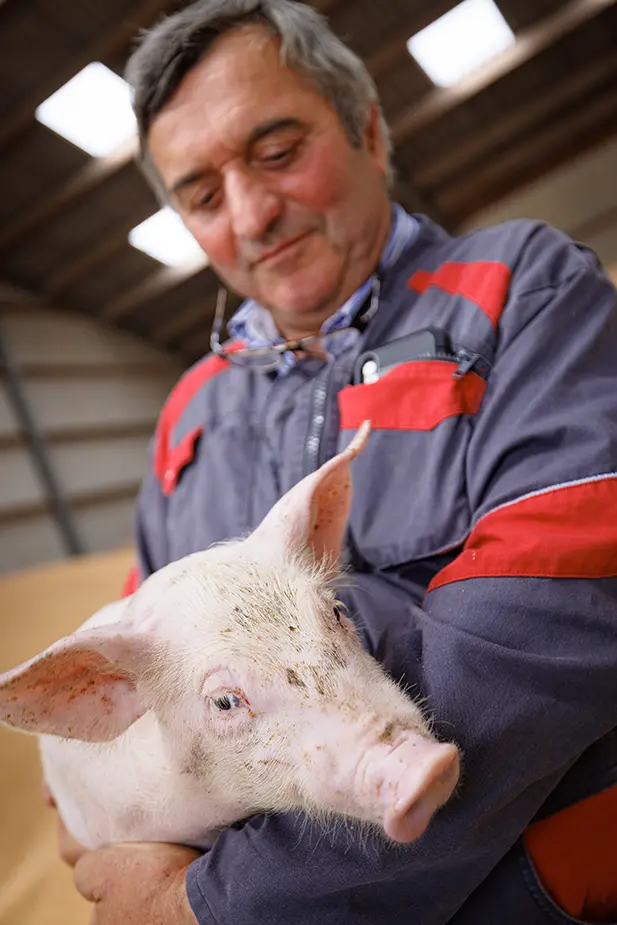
(230, 683)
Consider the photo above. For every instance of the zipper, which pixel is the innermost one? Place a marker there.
(318, 420)
(469, 362)
(465, 360)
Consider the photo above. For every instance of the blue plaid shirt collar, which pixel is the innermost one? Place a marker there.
(254, 326)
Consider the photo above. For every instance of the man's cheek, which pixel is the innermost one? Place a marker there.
(321, 185)
(215, 239)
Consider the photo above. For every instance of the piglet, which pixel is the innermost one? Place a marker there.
(230, 683)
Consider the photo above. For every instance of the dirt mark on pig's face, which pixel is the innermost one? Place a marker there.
(319, 680)
(294, 679)
(197, 759)
(387, 734)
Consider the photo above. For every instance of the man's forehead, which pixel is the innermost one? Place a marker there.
(242, 68)
(240, 86)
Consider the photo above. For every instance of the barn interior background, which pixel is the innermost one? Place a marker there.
(93, 331)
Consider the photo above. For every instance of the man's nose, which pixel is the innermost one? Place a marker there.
(252, 207)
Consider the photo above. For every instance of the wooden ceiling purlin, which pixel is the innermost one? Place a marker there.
(143, 15)
(84, 262)
(596, 225)
(507, 126)
(169, 331)
(395, 48)
(195, 344)
(410, 197)
(91, 177)
(160, 282)
(559, 141)
(530, 43)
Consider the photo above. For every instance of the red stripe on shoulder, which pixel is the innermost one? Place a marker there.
(569, 531)
(484, 282)
(179, 398)
(413, 396)
(131, 582)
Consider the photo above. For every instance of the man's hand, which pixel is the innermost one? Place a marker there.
(137, 883)
(129, 884)
(69, 849)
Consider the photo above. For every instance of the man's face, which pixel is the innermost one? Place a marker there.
(261, 170)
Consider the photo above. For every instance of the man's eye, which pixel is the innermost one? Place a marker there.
(206, 200)
(279, 157)
(338, 612)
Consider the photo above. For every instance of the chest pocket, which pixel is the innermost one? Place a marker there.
(410, 497)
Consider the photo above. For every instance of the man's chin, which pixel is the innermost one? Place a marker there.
(300, 297)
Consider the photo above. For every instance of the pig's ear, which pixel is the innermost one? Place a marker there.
(82, 687)
(313, 514)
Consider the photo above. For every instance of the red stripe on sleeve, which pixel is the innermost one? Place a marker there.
(179, 398)
(484, 282)
(412, 396)
(569, 531)
(131, 582)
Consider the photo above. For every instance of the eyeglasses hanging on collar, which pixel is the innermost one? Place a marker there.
(270, 357)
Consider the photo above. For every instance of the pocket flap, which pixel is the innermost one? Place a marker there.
(178, 457)
(413, 396)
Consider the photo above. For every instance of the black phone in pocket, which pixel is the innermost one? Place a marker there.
(425, 344)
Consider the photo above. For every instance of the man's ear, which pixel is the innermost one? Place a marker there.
(374, 139)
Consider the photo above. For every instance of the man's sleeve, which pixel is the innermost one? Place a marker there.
(150, 524)
(515, 646)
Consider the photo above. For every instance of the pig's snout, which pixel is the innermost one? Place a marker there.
(419, 776)
(406, 783)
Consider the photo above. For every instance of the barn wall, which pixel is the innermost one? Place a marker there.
(580, 198)
(95, 394)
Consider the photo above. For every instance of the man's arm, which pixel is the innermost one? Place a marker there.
(150, 523)
(515, 647)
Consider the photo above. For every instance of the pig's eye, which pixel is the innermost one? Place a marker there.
(227, 701)
(338, 612)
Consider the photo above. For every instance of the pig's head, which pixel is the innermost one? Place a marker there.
(257, 678)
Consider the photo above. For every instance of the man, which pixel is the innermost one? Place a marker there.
(487, 494)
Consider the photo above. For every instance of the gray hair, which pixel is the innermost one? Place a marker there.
(308, 46)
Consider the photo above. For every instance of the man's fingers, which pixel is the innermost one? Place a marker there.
(69, 849)
(87, 877)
